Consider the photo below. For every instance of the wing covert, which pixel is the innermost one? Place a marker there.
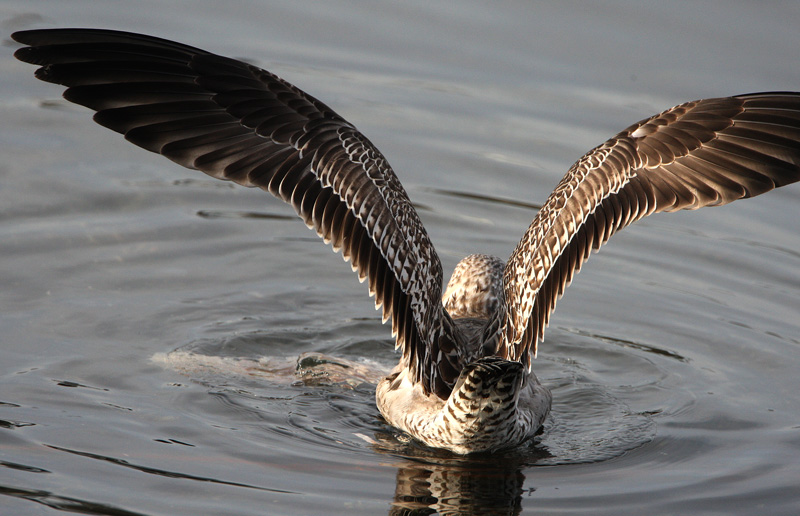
(237, 122)
(703, 153)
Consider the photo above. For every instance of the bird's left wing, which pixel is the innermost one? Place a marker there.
(237, 122)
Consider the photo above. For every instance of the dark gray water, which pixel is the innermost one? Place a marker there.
(673, 359)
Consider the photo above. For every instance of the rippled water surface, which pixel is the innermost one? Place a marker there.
(673, 359)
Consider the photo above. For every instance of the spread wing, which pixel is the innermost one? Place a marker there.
(703, 153)
(237, 122)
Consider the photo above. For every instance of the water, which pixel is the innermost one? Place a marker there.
(673, 358)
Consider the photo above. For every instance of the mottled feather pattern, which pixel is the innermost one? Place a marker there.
(464, 381)
(702, 153)
(235, 121)
(476, 287)
(493, 399)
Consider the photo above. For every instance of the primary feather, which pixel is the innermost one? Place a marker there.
(464, 381)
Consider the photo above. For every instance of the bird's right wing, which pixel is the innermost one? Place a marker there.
(702, 153)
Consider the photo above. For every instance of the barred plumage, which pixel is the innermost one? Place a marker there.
(464, 381)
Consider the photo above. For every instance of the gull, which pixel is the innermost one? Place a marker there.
(464, 380)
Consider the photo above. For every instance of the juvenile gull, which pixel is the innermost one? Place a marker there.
(464, 380)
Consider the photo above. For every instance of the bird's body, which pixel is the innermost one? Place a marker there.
(495, 404)
(464, 381)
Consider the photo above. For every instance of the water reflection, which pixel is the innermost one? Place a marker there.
(233, 214)
(626, 343)
(485, 198)
(435, 481)
(64, 503)
(428, 481)
(589, 424)
(489, 488)
(158, 471)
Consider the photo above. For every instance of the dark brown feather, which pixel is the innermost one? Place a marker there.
(236, 122)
